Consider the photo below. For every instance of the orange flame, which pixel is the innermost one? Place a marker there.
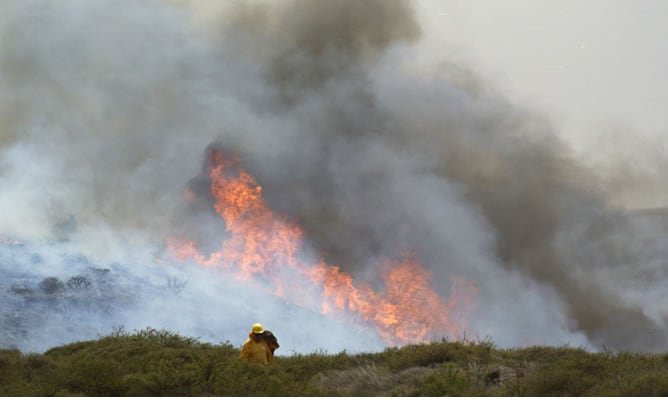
(9, 241)
(261, 246)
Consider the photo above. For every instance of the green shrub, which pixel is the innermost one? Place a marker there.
(91, 376)
(421, 355)
(12, 382)
(307, 366)
(363, 380)
(448, 380)
(237, 378)
(9, 361)
(645, 384)
(155, 362)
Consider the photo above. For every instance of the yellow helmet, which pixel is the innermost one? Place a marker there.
(257, 328)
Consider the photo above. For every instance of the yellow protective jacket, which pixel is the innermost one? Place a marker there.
(256, 352)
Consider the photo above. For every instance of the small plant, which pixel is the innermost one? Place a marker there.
(78, 282)
(165, 338)
(176, 285)
(449, 380)
(118, 332)
(51, 285)
(21, 290)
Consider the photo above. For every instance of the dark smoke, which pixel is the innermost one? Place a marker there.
(107, 110)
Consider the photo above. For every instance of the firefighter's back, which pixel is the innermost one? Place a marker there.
(255, 352)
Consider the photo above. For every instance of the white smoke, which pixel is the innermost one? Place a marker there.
(106, 110)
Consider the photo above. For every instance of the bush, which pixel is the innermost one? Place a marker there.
(645, 384)
(78, 282)
(51, 285)
(9, 368)
(363, 380)
(25, 375)
(422, 355)
(155, 362)
(571, 374)
(449, 380)
(91, 376)
(165, 338)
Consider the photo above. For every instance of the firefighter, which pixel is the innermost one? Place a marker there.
(259, 347)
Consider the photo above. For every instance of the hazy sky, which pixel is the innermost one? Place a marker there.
(589, 62)
(596, 67)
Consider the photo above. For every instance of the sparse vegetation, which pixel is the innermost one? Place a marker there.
(51, 285)
(78, 282)
(154, 362)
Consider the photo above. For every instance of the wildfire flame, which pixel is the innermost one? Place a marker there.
(261, 246)
(5, 240)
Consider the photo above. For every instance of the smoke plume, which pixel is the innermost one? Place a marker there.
(107, 110)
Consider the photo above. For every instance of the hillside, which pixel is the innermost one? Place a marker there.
(160, 363)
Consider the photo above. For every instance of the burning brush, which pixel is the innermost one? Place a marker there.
(263, 248)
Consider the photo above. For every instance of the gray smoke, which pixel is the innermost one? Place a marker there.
(106, 111)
